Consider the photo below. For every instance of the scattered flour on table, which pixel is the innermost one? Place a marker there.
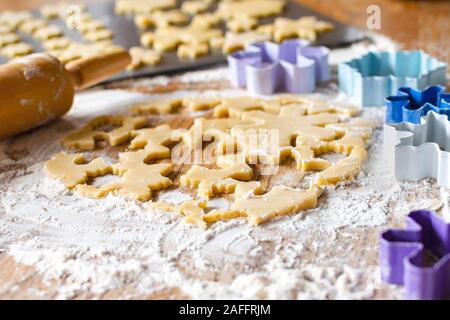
(99, 245)
(94, 246)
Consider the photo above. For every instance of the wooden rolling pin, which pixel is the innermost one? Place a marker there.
(38, 88)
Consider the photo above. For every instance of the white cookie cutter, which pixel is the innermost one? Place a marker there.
(417, 151)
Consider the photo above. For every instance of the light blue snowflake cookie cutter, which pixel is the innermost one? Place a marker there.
(368, 80)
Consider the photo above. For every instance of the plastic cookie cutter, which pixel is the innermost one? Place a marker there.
(417, 151)
(406, 256)
(409, 105)
(368, 80)
(267, 67)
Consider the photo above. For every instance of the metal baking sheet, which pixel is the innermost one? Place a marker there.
(127, 35)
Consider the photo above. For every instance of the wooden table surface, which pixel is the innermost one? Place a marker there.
(415, 24)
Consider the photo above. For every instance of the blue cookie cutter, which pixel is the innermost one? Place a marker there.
(368, 80)
(405, 256)
(409, 105)
(267, 67)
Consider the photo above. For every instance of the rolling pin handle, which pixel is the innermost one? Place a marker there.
(90, 71)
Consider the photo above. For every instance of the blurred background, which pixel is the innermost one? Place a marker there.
(414, 24)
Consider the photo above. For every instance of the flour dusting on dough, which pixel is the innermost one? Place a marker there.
(100, 245)
(94, 246)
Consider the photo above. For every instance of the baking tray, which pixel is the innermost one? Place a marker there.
(127, 35)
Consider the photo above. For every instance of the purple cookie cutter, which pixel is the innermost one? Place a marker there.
(267, 67)
(404, 256)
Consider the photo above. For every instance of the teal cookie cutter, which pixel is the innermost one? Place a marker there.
(368, 80)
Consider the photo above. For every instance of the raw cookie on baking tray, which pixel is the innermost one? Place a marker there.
(47, 32)
(16, 50)
(305, 28)
(141, 57)
(160, 19)
(193, 39)
(8, 38)
(126, 7)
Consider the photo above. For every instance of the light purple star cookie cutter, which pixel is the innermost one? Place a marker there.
(268, 67)
(405, 256)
